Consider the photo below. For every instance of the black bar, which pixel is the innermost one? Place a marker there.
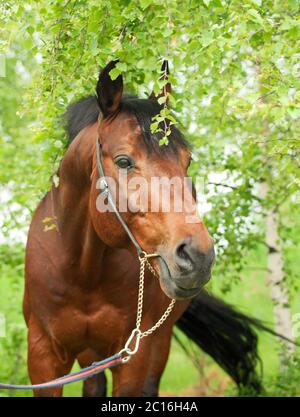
(133, 406)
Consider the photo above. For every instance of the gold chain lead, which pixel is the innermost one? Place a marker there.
(137, 334)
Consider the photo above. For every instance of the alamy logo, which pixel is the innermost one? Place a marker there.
(159, 194)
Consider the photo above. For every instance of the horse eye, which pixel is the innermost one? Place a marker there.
(123, 162)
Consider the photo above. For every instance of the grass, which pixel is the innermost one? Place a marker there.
(251, 296)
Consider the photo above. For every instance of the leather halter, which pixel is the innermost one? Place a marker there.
(106, 191)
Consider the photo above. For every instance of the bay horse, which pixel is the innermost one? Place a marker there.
(81, 276)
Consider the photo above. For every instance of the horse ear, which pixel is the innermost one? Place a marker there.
(109, 92)
(166, 90)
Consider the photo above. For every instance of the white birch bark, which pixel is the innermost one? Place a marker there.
(275, 278)
(275, 262)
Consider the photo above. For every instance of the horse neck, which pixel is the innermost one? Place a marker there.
(71, 205)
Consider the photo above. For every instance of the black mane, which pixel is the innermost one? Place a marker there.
(85, 112)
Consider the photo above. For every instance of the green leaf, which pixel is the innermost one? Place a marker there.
(55, 180)
(122, 66)
(30, 30)
(164, 141)
(52, 226)
(145, 3)
(47, 219)
(256, 2)
(162, 100)
(114, 73)
(257, 17)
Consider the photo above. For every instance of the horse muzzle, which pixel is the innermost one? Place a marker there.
(184, 275)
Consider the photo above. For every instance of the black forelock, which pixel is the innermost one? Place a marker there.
(85, 112)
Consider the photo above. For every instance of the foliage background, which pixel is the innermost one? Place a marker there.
(235, 77)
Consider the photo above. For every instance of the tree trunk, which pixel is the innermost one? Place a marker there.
(275, 263)
(275, 278)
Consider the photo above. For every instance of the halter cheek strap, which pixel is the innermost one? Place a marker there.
(106, 191)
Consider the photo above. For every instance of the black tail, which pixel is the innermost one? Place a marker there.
(227, 336)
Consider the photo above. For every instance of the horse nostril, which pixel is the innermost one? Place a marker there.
(189, 258)
(182, 252)
(184, 258)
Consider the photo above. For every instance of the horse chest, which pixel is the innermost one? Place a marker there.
(92, 324)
